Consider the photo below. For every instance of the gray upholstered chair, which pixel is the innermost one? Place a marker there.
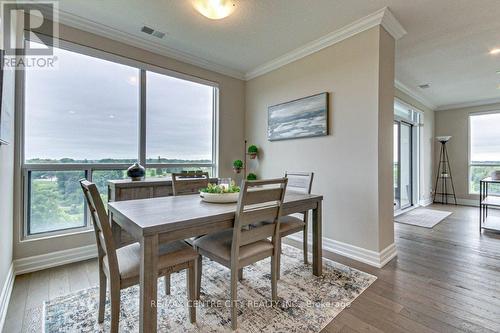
(248, 241)
(121, 266)
(290, 224)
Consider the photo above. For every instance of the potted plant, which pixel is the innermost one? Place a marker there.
(252, 176)
(237, 166)
(252, 151)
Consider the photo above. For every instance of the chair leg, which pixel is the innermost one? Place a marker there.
(167, 284)
(278, 260)
(240, 274)
(102, 294)
(304, 244)
(198, 271)
(234, 299)
(191, 291)
(274, 273)
(115, 305)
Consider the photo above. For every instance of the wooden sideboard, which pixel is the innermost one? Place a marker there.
(126, 189)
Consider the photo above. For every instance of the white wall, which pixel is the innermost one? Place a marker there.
(353, 164)
(6, 187)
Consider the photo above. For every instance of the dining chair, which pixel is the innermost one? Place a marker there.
(290, 224)
(186, 183)
(247, 242)
(121, 266)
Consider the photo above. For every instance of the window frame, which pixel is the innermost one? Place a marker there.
(89, 168)
(469, 149)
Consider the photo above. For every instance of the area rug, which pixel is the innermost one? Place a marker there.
(423, 217)
(307, 303)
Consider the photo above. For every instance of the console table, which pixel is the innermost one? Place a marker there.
(485, 200)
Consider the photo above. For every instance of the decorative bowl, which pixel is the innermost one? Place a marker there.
(219, 197)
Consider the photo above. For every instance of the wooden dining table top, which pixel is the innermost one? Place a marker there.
(163, 214)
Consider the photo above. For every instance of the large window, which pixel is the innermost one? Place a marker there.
(85, 119)
(484, 149)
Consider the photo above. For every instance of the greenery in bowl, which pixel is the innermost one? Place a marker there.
(238, 164)
(252, 176)
(214, 188)
(253, 149)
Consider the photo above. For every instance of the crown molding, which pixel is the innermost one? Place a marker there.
(483, 102)
(392, 25)
(404, 88)
(103, 30)
(381, 17)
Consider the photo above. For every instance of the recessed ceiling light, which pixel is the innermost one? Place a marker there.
(214, 9)
(495, 51)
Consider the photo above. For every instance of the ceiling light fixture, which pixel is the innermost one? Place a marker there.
(495, 51)
(214, 9)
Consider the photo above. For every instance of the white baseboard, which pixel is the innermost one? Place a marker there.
(425, 202)
(53, 259)
(372, 258)
(5, 295)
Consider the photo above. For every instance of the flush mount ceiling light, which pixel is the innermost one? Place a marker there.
(214, 9)
(495, 51)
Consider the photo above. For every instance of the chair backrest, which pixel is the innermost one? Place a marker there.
(299, 181)
(102, 227)
(259, 201)
(189, 182)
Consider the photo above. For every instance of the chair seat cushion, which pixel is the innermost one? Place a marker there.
(170, 254)
(290, 222)
(219, 244)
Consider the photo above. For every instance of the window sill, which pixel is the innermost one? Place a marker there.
(56, 234)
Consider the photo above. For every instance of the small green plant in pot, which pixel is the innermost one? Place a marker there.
(252, 176)
(253, 151)
(237, 166)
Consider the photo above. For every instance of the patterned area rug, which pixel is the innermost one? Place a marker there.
(422, 217)
(307, 303)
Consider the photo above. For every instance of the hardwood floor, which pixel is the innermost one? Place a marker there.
(445, 279)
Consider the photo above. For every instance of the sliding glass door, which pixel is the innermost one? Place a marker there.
(402, 167)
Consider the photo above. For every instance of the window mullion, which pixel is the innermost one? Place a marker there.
(142, 117)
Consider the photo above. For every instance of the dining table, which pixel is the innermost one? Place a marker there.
(163, 219)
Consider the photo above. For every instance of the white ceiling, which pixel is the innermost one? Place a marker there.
(446, 45)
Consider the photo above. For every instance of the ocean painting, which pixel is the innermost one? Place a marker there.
(302, 118)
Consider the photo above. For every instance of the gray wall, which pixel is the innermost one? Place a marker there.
(231, 118)
(359, 75)
(456, 123)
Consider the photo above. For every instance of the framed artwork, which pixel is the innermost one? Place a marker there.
(302, 118)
